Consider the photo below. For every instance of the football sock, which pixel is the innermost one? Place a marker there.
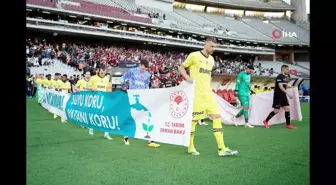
(241, 112)
(218, 133)
(246, 115)
(287, 115)
(192, 134)
(270, 116)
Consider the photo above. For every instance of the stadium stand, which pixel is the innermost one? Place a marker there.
(56, 66)
(210, 23)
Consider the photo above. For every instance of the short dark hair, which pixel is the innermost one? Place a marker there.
(250, 67)
(284, 66)
(65, 75)
(212, 39)
(86, 72)
(145, 63)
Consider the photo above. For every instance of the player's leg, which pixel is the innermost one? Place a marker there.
(271, 115)
(153, 144)
(191, 149)
(212, 110)
(126, 140)
(285, 105)
(198, 114)
(107, 136)
(245, 102)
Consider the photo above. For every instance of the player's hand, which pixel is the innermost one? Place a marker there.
(189, 80)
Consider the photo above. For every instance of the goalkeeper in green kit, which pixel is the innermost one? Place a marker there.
(243, 90)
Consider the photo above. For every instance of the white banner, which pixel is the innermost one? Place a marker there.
(54, 101)
(171, 113)
(260, 107)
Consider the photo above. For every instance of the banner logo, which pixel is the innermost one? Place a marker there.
(178, 104)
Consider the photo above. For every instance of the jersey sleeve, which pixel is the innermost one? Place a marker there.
(280, 79)
(189, 61)
(126, 76)
(68, 86)
(79, 83)
(238, 82)
(92, 83)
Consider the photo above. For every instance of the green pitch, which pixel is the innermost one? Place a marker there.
(64, 154)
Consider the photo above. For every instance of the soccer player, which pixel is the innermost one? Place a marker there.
(200, 65)
(83, 83)
(48, 82)
(99, 82)
(55, 83)
(280, 97)
(138, 78)
(63, 86)
(243, 89)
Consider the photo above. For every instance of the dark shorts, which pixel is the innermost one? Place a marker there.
(280, 101)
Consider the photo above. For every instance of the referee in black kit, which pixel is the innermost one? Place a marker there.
(280, 97)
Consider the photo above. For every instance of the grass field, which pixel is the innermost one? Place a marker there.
(64, 154)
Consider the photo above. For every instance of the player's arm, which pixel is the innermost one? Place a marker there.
(78, 84)
(126, 76)
(186, 64)
(92, 84)
(281, 82)
(68, 87)
(238, 83)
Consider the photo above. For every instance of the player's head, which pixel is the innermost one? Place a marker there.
(249, 69)
(48, 76)
(101, 72)
(58, 76)
(41, 76)
(210, 45)
(285, 69)
(87, 75)
(144, 64)
(64, 78)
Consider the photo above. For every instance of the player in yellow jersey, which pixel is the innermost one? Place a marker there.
(54, 80)
(200, 65)
(64, 86)
(40, 79)
(83, 83)
(55, 83)
(99, 82)
(48, 82)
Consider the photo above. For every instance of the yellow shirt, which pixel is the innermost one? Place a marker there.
(99, 83)
(40, 81)
(82, 84)
(53, 83)
(200, 68)
(64, 86)
(47, 83)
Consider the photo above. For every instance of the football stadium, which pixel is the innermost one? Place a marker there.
(171, 92)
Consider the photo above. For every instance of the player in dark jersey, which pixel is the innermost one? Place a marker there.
(280, 97)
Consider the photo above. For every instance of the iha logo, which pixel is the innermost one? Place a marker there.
(178, 104)
(277, 34)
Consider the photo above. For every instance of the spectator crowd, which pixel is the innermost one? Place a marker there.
(163, 67)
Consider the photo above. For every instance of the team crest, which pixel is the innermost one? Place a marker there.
(178, 104)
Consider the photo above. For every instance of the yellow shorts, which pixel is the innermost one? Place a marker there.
(204, 105)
